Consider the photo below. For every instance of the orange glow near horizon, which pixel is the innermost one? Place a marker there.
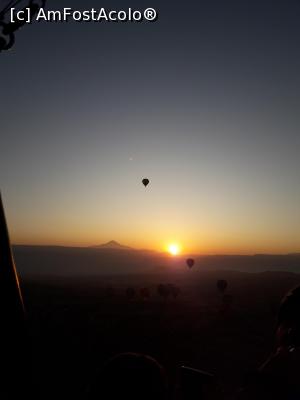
(149, 231)
(209, 244)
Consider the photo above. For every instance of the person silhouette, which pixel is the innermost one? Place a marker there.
(279, 376)
(129, 376)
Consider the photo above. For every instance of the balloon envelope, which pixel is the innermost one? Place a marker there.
(145, 181)
(190, 262)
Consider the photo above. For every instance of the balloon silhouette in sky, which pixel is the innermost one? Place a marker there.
(145, 181)
(190, 262)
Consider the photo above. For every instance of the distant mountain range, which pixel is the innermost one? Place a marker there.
(112, 245)
(113, 258)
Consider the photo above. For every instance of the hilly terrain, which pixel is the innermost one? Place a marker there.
(113, 258)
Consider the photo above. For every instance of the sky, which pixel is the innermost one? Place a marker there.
(204, 102)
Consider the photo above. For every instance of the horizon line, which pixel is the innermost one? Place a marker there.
(183, 254)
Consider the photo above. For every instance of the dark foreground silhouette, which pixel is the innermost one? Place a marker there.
(130, 376)
(140, 377)
(279, 375)
(75, 326)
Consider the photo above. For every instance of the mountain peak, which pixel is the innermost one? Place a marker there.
(112, 244)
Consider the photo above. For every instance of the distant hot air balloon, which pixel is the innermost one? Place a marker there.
(145, 181)
(222, 285)
(190, 262)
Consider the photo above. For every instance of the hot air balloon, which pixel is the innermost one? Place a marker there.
(190, 262)
(145, 181)
(222, 285)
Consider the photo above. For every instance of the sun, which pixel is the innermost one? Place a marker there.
(174, 249)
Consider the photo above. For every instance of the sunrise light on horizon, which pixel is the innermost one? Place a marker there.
(174, 249)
